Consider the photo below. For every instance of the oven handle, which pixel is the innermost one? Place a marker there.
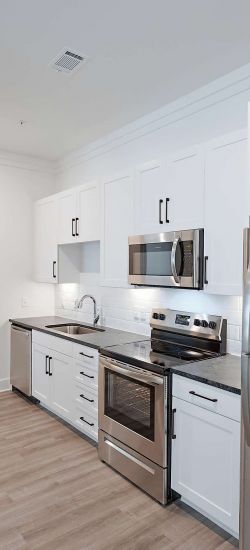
(173, 258)
(148, 379)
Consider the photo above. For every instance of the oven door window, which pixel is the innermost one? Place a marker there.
(130, 403)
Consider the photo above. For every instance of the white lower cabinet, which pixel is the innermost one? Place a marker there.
(65, 380)
(52, 379)
(206, 454)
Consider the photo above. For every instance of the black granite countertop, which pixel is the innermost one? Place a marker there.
(223, 372)
(101, 338)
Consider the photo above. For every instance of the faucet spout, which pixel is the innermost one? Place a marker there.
(80, 303)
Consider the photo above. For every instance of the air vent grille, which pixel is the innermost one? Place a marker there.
(68, 61)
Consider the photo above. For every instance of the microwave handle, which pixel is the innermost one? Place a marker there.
(173, 258)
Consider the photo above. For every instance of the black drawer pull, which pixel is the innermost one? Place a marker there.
(167, 201)
(87, 375)
(87, 399)
(46, 364)
(203, 397)
(205, 270)
(172, 429)
(86, 355)
(77, 230)
(72, 227)
(86, 422)
(160, 203)
(50, 373)
(54, 274)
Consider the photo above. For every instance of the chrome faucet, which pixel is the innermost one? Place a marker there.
(80, 302)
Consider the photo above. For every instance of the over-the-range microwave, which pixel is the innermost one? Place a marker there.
(174, 259)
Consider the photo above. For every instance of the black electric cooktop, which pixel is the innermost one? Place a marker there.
(156, 356)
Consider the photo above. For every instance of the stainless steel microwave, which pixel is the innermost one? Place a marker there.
(174, 259)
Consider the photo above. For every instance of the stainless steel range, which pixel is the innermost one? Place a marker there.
(135, 395)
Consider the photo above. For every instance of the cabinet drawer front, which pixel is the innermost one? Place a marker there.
(86, 422)
(86, 355)
(86, 397)
(53, 342)
(208, 397)
(86, 374)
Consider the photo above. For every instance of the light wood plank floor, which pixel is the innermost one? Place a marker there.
(56, 495)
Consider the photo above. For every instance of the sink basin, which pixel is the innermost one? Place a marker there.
(74, 329)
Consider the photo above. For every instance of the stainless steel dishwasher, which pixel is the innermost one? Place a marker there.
(20, 359)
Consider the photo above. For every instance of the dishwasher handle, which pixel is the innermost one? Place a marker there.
(20, 329)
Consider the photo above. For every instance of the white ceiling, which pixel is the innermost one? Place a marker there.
(142, 54)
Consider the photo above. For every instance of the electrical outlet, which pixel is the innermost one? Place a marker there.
(25, 301)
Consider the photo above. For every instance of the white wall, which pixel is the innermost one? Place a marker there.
(22, 181)
(219, 108)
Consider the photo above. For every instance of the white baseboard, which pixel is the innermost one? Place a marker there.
(5, 384)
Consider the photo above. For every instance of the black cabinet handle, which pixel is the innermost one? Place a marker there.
(86, 355)
(203, 397)
(172, 428)
(87, 375)
(46, 364)
(72, 227)
(86, 422)
(86, 398)
(54, 274)
(50, 373)
(77, 232)
(160, 203)
(205, 270)
(167, 201)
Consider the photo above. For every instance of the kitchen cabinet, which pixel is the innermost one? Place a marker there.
(40, 378)
(65, 380)
(206, 451)
(117, 216)
(67, 217)
(225, 213)
(52, 379)
(169, 196)
(45, 240)
(79, 214)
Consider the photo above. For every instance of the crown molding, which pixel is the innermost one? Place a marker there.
(15, 160)
(215, 92)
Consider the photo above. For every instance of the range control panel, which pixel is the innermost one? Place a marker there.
(197, 324)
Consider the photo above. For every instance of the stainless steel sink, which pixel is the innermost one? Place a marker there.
(74, 329)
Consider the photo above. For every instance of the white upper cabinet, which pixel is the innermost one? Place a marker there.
(225, 214)
(117, 195)
(67, 216)
(79, 214)
(185, 186)
(45, 240)
(169, 195)
(88, 212)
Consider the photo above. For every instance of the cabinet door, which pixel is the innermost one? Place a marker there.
(206, 463)
(150, 195)
(170, 196)
(61, 369)
(45, 241)
(225, 215)
(117, 226)
(40, 374)
(185, 189)
(88, 223)
(67, 232)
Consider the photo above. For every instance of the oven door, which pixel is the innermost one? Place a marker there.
(167, 259)
(133, 408)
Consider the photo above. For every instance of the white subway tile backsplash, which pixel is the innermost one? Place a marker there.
(129, 308)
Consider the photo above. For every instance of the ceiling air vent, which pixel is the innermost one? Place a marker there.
(68, 61)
